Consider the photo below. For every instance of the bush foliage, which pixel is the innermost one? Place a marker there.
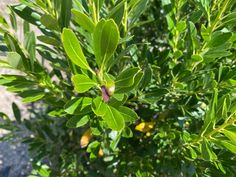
(123, 87)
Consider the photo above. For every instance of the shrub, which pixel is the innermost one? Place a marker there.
(124, 87)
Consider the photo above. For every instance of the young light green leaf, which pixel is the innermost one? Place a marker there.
(77, 121)
(128, 114)
(83, 20)
(106, 38)
(73, 50)
(99, 107)
(15, 60)
(82, 83)
(114, 119)
(78, 106)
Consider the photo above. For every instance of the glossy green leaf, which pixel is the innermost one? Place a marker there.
(77, 121)
(78, 106)
(49, 22)
(114, 119)
(106, 38)
(73, 49)
(128, 114)
(99, 107)
(82, 83)
(83, 20)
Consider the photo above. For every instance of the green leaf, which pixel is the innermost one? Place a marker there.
(82, 83)
(138, 8)
(99, 107)
(27, 13)
(117, 12)
(217, 52)
(126, 88)
(77, 121)
(15, 60)
(4, 64)
(78, 106)
(49, 22)
(126, 78)
(30, 45)
(31, 95)
(231, 135)
(106, 38)
(229, 19)
(14, 46)
(128, 114)
(210, 116)
(229, 145)
(207, 152)
(16, 112)
(73, 49)
(218, 38)
(127, 132)
(83, 20)
(48, 40)
(197, 58)
(114, 119)
(65, 14)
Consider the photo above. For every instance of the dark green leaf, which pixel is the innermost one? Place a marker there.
(16, 112)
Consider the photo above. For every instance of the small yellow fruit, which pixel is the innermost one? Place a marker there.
(85, 139)
(145, 126)
(100, 152)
